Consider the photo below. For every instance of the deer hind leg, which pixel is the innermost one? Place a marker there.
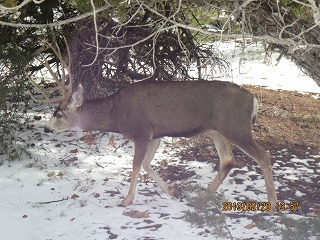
(227, 161)
(262, 157)
(153, 146)
(140, 151)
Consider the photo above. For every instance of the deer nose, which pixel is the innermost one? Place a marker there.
(47, 130)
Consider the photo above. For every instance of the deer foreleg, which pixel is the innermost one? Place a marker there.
(153, 146)
(140, 151)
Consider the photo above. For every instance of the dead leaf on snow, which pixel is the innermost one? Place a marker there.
(136, 214)
(154, 227)
(74, 150)
(74, 196)
(250, 226)
(112, 141)
(88, 138)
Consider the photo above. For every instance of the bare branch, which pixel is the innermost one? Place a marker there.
(15, 8)
(316, 10)
(59, 23)
(139, 41)
(96, 32)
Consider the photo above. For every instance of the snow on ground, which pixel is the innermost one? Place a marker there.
(70, 189)
(254, 67)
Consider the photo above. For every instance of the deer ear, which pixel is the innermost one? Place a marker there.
(77, 97)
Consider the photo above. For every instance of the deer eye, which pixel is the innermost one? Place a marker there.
(59, 115)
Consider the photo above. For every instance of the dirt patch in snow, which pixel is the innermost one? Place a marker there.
(288, 120)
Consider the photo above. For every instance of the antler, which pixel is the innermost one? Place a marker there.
(61, 83)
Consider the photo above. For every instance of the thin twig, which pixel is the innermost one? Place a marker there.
(96, 33)
(53, 201)
(55, 24)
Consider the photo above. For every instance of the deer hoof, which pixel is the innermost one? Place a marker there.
(171, 191)
(125, 202)
(272, 211)
(174, 192)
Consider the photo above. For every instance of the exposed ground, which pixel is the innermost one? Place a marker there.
(288, 120)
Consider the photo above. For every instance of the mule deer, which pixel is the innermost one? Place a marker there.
(145, 112)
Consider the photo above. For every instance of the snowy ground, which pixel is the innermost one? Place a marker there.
(71, 188)
(254, 67)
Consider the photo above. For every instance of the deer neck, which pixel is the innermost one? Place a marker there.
(97, 115)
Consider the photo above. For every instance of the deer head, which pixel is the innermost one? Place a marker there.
(64, 119)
